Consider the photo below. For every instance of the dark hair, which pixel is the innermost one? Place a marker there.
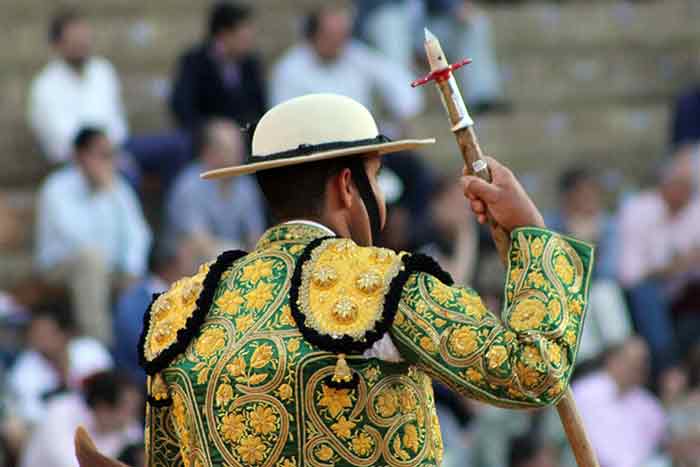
(523, 449)
(299, 191)
(85, 136)
(573, 176)
(227, 15)
(105, 387)
(163, 252)
(56, 312)
(61, 20)
(312, 21)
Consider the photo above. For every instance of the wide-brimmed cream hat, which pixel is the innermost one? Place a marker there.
(313, 128)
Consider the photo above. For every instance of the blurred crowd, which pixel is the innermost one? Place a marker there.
(122, 215)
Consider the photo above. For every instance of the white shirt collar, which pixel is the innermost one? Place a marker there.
(313, 224)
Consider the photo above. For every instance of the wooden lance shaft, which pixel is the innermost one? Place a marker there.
(441, 73)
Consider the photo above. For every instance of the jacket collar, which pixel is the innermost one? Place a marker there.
(301, 231)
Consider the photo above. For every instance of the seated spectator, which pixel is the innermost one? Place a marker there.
(529, 451)
(330, 61)
(624, 421)
(581, 214)
(660, 256)
(108, 408)
(213, 217)
(55, 360)
(77, 89)
(169, 260)
(388, 26)
(91, 234)
(465, 32)
(685, 119)
(221, 77)
(456, 236)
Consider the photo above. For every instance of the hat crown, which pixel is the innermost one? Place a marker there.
(311, 120)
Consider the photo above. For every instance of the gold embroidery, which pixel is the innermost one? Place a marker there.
(335, 400)
(212, 340)
(537, 247)
(252, 450)
(263, 420)
(343, 427)
(259, 296)
(497, 356)
(410, 438)
(527, 314)
(232, 427)
(261, 356)
(257, 270)
(362, 444)
(224, 394)
(463, 341)
(324, 453)
(170, 312)
(285, 392)
(338, 294)
(564, 269)
(230, 302)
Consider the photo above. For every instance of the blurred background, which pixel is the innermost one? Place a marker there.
(111, 109)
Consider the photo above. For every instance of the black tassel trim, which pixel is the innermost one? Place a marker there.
(158, 403)
(194, 322)
(418, 262)
(352, 384)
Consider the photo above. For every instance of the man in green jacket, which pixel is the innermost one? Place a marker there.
(317, 348)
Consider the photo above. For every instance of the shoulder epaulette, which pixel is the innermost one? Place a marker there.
(174, 317)
(344, 297)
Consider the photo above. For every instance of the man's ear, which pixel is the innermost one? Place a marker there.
(342, 186)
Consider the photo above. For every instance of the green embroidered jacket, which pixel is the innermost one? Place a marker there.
(241, 356)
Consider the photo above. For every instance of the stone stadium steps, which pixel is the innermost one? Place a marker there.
(589, 80)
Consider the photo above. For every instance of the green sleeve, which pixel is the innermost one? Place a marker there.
(525, 357)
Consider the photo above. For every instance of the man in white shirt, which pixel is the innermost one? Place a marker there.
(54, 361)
(91, 233)
(77, 89)
(74, 89)
(107, 408)
(330, 61)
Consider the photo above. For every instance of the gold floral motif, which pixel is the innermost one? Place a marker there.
(528, 376)
(537, 247)
(293, 345)
(556, 389)
(287, 318)
(362, 444)
(243, 323)
(474, 376)
(398, 449)
(368, 281)
(427, 344)
(575, 305)
(284, 462)
(463, 341)
(564, 269)
(387, 403)
(515, 274)
(399, 319)
(372, 374)
(407, 400)
(554, 353)
(536, 279)
(335, 400)
(212, 340)
(181, 425)
(532, 356)
(259, 269)
(343, 427)
(190, 292)
(324, 453)
(224, 394)
(259, 296)
(554, 308)
(261, 356)
(497, 356)
(252, 450)
(263, 420)
(410, 438)
(233, 427)
(285, 392)
(442, 293)
(237, 367)
(527, 315)
(230, 301)
(570, 338)
(158, 388)
(324, 276)
(439, 322)
(345, 310)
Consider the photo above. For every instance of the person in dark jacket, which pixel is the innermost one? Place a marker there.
(222, 77)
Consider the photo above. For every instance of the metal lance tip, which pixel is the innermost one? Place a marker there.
(429, 36)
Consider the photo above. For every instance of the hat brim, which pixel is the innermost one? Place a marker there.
(381, 148)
